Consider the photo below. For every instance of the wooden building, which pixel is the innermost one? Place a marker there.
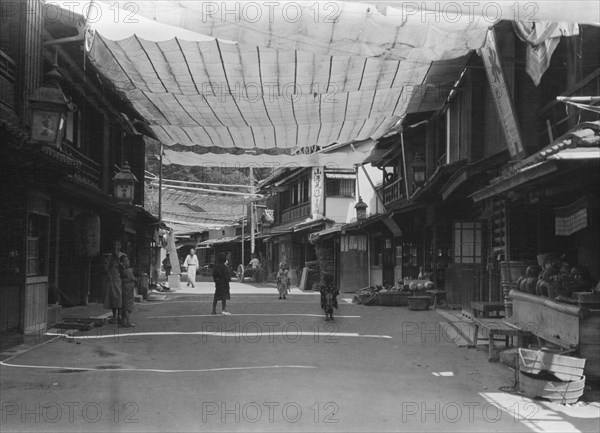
(57, 204)
(465, 198)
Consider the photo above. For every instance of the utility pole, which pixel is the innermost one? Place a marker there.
(243, 234)
(252, 214)
(160, 177)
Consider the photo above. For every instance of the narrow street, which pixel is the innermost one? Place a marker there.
(273, 365)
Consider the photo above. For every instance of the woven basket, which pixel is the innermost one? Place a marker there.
(392, 299)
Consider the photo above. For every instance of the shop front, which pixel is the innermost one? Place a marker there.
(551, 202)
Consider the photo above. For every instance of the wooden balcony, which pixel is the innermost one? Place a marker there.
(393, 191)
(89, 171)
(557, 120)
(296, 212)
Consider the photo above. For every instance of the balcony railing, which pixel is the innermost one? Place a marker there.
(393, 191)
(296, 212)
(89, 171)
(8, 69)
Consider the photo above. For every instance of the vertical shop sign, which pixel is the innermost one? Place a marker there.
(500, 93)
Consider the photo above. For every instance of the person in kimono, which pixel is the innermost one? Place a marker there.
(113, 296)
(221, 276)
(283, 280)
(128, 292)
(191, 263)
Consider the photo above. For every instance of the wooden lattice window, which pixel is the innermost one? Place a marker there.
(467, 242)
(340, 187)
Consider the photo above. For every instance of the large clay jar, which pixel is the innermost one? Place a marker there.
(541, 288)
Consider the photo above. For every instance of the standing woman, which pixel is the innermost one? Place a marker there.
(128, 291)
(222, 276)
(112, 267)
(191, 262)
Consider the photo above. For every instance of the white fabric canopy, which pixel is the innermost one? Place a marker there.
(275, 83)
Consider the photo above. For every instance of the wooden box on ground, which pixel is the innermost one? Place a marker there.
(568, 326)
(418, 303)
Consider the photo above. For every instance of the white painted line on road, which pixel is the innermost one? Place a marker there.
(252, 314)
(238, 335)
(153, 370)
(209, 301)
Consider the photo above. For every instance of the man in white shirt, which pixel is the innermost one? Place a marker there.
(191, 262)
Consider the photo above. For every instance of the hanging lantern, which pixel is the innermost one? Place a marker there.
(361, 209)
(49, 106)
(124, 183)
(87, 234)
(418, 168)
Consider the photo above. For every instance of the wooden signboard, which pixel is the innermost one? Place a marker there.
(500, 93)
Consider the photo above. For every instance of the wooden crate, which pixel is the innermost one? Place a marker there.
(392, 299)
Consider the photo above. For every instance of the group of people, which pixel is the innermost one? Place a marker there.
(120, 286)
(222, 276)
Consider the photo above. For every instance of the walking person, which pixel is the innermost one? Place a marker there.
(283, 280)
(113, 296)
(254, 265)
(191, 263)
(329, 294)
(167, 265)
(221, 276)
(128, 292)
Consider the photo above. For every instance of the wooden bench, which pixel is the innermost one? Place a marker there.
(485, 308)
(497, 327)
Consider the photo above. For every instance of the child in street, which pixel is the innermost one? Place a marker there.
(329, 295)
(283, 280)
(128, 289)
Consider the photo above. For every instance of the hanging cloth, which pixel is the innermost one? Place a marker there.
(542, 38)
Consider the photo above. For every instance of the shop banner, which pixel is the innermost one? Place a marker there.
(571, 218)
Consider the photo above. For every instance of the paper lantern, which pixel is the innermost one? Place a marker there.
(87, 234)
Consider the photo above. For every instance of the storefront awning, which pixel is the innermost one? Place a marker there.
(315, 237)
(224, 240)
(581, 143)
